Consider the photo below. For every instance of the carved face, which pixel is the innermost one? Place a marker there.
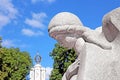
(66, 41)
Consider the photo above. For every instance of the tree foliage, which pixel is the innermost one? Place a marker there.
(62, 57)
(14, 64)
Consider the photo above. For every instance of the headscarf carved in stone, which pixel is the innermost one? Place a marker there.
(97, 50)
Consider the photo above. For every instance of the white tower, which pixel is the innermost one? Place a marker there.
(37, 72)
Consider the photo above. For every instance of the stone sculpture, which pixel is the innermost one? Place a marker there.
(98, 50)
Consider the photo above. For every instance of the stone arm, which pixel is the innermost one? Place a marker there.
(79, 62)
(71, 71)
(90, 36)
(94, 37)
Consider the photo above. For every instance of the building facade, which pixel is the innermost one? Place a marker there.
(37, 72)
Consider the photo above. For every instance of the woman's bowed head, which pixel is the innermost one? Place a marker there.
(67, 28)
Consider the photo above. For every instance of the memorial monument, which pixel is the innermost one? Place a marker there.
(37, 72)
(98, 50)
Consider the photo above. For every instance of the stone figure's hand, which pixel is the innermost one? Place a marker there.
(91, 36)
(72, 69)
(79, 45)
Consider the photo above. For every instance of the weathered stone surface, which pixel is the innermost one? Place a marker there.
(111, 24)
(98, 50)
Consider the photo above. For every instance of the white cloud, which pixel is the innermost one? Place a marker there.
(7, 12)
(4, 20)
(30, 33)
(34, 23)
(37, 20)
(39, 16)
(12, 43)
(8, 43)
(48, 1)
(48, 72)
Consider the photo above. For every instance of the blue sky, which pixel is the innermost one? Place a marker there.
(24, 23)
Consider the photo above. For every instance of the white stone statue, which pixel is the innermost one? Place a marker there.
(98, 50)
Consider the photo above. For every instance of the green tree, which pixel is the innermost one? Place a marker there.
(62, 57)
(14, 64)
